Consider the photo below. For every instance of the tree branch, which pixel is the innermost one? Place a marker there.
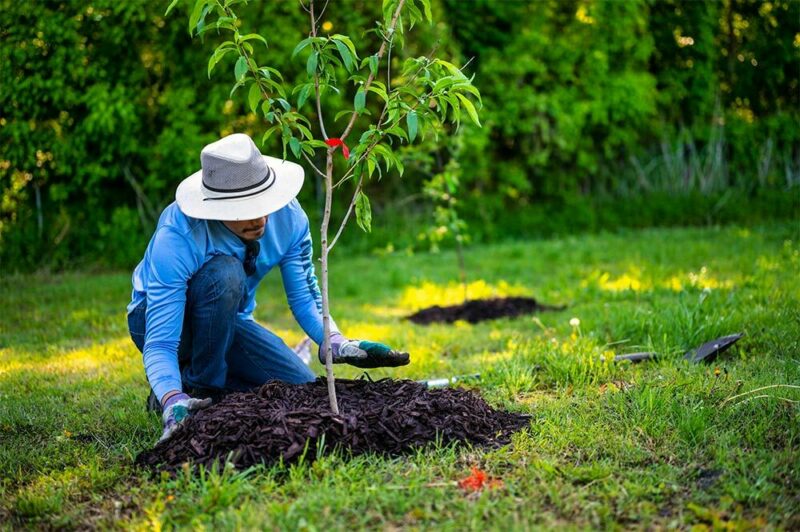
(347, 215)
(316, 73)
(371, 76)
(314, 166)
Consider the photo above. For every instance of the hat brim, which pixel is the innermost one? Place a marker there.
(288, 182)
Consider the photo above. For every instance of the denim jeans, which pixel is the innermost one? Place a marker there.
(219, 351)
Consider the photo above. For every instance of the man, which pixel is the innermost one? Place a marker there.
(191, 313)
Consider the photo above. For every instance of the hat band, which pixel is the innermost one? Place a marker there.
(252, 190)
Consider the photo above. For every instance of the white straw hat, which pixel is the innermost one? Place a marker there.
(237, 182)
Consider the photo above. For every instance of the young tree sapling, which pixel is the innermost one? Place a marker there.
(427, 93)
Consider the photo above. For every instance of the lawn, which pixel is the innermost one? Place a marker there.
(662, 443)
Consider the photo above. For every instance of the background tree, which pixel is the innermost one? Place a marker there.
(442, 189)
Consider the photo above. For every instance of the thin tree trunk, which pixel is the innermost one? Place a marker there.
(461, 266)
(326, 313)
(39, 216)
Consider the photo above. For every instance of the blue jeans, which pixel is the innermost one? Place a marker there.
(220, 352)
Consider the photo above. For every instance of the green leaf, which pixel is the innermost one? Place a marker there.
(426, 5)
(346, 40)
(468, 87)
(373, 64)
(307, 149)
(386, 153)
(197, 12)
(269, 72)
(268, 133)
(236, 87)
(411, 122)
(341, 114)
(170, 7)
(240, 70)
(300, 46)
(229, 23)
(360, 100)
(442, 84)
(254, 96)
(216, 57)
(388, 8)
(305, 131)
(317, 144)
(363, 212)
(397, 131)
(201, 24)
(304, 92)
(379, 89)
(473, 114)
(294, 144)
(454, 71)
(311, 64)
(345, 53)
(251, 36)
(414, 14)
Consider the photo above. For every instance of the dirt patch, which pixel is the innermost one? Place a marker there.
(478, 310)
(706, 478)
(279, 420)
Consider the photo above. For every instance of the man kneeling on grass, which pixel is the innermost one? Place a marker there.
(191, 313)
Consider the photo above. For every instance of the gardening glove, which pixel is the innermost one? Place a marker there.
(363, 353)
(178, 408)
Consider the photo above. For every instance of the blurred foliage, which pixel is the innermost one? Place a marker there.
(105, 105)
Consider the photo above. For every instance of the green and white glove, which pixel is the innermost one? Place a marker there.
(363, 353)
(177, 409)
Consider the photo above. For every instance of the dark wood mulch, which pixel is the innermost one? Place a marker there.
(278, 420)
(478, 310)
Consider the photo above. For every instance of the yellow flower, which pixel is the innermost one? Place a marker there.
(327, 25)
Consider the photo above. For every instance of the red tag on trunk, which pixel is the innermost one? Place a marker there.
(339, 142)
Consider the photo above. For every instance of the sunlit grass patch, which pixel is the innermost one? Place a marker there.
(635, 279)
(549, 361)
(428, 293)
(97, 359)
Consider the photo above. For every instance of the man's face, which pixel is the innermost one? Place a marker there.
(248, 229)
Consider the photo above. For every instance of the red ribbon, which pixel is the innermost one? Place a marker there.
(339, 142)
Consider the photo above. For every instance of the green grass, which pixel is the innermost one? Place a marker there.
(610, 445)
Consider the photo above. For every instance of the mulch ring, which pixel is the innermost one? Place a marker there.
(280, 420)
(478, 310)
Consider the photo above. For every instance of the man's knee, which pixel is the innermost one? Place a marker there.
(221, 278)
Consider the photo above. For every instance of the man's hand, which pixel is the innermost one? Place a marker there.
(178, 408)
(363, 353)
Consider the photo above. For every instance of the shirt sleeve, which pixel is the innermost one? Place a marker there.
(172, 263)
(300, 284)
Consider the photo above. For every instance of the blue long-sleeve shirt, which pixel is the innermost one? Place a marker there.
(181, 245)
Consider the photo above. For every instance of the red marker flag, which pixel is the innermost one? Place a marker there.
(339, 142)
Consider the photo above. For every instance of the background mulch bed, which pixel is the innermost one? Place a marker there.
(478, 310)
(276, 421)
